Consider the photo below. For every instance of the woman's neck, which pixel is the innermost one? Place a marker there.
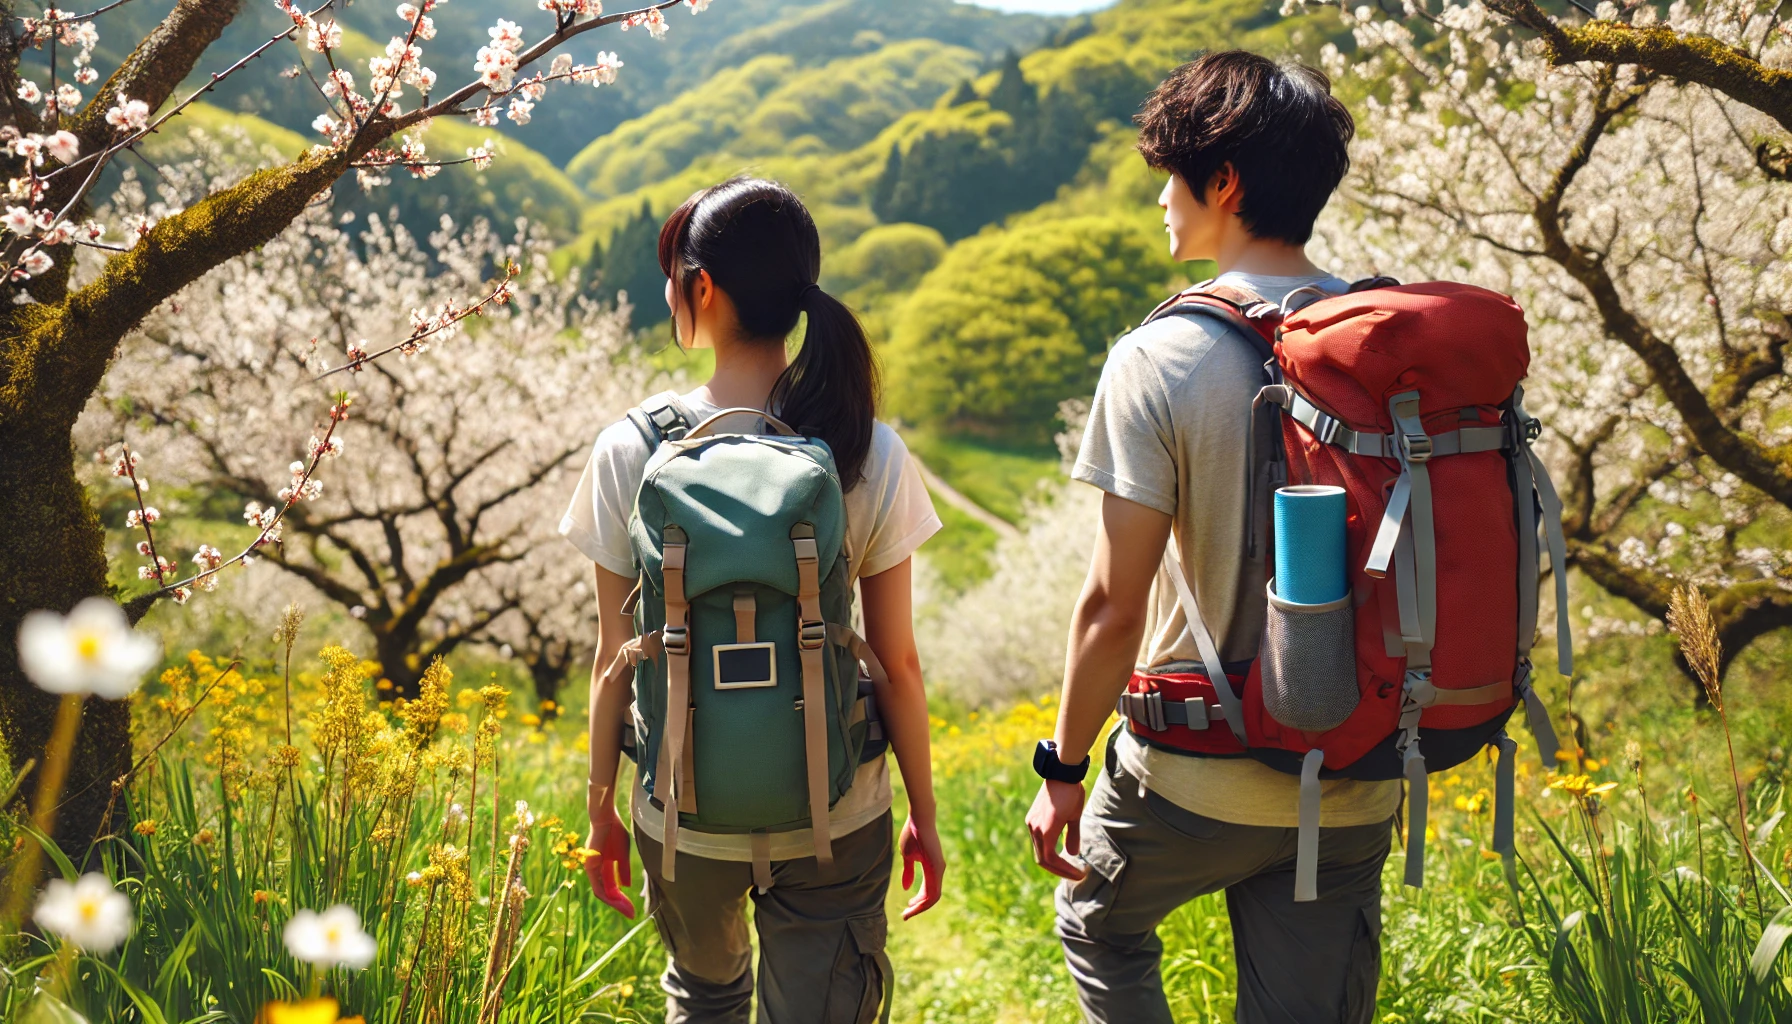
(745, 372)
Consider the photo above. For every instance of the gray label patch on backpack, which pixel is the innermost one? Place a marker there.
(745, 666)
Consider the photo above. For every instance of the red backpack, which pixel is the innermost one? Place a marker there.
(1407, 397)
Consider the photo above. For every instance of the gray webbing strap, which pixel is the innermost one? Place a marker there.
(1523, 487)
(1306, 844)
(1558, 560)
(1504, 790)
(1330, 430)
(1152, 711)
(1230, 705)
(1415, 455)
(1537, 716)
(1382, 551)
(1418, 801)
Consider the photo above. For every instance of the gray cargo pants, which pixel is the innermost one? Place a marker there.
(1298, 963)
(821, 940)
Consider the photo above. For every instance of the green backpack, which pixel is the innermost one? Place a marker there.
(744, 642)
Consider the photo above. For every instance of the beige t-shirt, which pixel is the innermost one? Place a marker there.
(888, 516)
(1167, 430)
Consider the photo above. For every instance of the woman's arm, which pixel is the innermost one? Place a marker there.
(902, 701)
(611, 679)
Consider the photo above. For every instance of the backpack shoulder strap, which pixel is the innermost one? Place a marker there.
(1243, 310)
(664, 417)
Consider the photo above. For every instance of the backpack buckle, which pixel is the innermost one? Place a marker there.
(1415, 449)
(676, 640)
(812, 634)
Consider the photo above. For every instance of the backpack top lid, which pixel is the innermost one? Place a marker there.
(1456, 344)
(737, 497)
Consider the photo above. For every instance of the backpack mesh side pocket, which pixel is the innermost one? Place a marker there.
(1309, 663)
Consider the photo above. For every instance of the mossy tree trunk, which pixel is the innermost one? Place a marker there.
(53, 354)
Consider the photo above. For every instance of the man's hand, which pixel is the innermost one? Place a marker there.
(1057, 808)
(921, 843)
(606, 861)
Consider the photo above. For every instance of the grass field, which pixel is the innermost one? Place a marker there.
(1627, 902)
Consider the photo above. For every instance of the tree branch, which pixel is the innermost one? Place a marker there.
(1685, 58)
(1735, 451)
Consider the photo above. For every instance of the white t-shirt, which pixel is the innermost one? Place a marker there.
(888, 516)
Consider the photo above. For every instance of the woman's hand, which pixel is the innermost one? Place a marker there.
(606, 861)
(921, 842)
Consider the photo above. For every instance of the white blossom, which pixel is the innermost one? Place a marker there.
(92, 650)
(332, 938)
(128, 114)
(88, 913)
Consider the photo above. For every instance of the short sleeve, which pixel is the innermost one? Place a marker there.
(890, 512)
(596, 521)
(1129, 445)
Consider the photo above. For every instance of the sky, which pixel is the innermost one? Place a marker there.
(1046, 6)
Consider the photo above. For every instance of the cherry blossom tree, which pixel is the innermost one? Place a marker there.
(61, 126)
(438, 529)
(1625, 200)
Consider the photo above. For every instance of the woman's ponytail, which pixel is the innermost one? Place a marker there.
(760, 246)
(830, 388)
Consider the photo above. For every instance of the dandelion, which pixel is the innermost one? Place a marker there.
(92, 650)
(89, 914)
(331, 939)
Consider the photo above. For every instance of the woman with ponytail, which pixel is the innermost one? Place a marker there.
(741, 261)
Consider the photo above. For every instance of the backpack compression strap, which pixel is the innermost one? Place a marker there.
(811, 641)
(671, 779)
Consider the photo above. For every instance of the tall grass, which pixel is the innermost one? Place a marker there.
(1616, 909)
(442, 827)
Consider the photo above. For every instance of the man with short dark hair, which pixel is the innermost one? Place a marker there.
(1254, 150)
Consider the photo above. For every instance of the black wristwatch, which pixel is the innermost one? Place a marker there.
(1048, 767)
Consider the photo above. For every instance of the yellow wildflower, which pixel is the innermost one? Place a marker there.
(311, 1011)
(572, 851)
(146, 827)
(530, 720)
(204, 837)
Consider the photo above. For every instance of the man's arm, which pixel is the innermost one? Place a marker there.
(1105, 632)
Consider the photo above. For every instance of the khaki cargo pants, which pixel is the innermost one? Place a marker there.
(1298, 963)
(821, 940)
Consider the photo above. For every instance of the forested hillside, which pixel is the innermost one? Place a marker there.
(971, 170)
(527, 180)
(988, 218)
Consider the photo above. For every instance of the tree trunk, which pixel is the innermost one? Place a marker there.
(400, 662)
(52, 554)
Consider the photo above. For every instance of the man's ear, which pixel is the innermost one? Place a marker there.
(1224, 189)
